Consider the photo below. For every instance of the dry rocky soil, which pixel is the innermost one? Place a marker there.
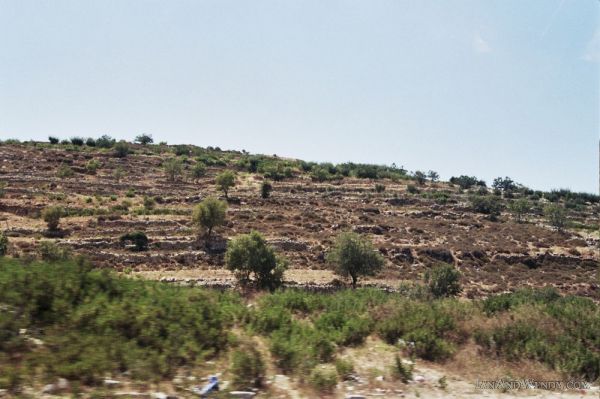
(301, 220)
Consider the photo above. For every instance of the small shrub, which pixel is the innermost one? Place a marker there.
(92, 166)
(64, 171)
(90, 142)
(323, 379)
(344, 368)
(118, 173)
(402, 371)
(412, 189)
(78, 141)
(149, 203)
(247, 368)
(3, 244)
(105, 141)
(519, 208)
(50, 252)
(486, 204)
(53, 140)
(379, 188)
(265, 189)
(51, 216)
(556, 216)
(443, 281)
(130, 193)
(2, 189)
(138, 238)
(121, 149)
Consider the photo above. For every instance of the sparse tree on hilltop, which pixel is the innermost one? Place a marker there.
(144, 139)
(420, 177)
(433, 176)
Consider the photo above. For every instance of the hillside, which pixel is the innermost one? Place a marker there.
(413, 225)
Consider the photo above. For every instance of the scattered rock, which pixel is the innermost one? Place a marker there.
(111, 383)
(419, 378)
(242, 394)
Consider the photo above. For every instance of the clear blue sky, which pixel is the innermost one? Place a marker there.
(489, 87)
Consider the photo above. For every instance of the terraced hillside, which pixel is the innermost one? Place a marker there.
(413, 225)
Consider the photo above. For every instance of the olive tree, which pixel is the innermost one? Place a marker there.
(556, 216)
(433, 175)
(209, 213)
(225, 181)
(519, 208)
(198, 170)
(420, 177)
(144, 139)
(51, 216)
(173, 168)
(353, 255)
(250, 258)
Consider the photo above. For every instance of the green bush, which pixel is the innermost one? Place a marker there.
(249, 257)
(323, 379)
(353, 255)
(173, 168)
(486, 204)
(265, 189)
(90, 142)
(344, 368)
(50, 252)
(92, 166)
(443, 281)
(412, 189)
(64, 171)
(121, 149)
(556, 216)
(105, 141)
(3, 244)
(51, 216)
(94, 323)
(78, 141)
(519, 208)
(401, 370)
(379, 188)
(138, 238)
(53, 140)
(247, 368)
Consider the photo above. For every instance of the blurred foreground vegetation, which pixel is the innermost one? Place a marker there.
(66, 319)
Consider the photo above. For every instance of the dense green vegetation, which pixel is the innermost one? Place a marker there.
(66, 319)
